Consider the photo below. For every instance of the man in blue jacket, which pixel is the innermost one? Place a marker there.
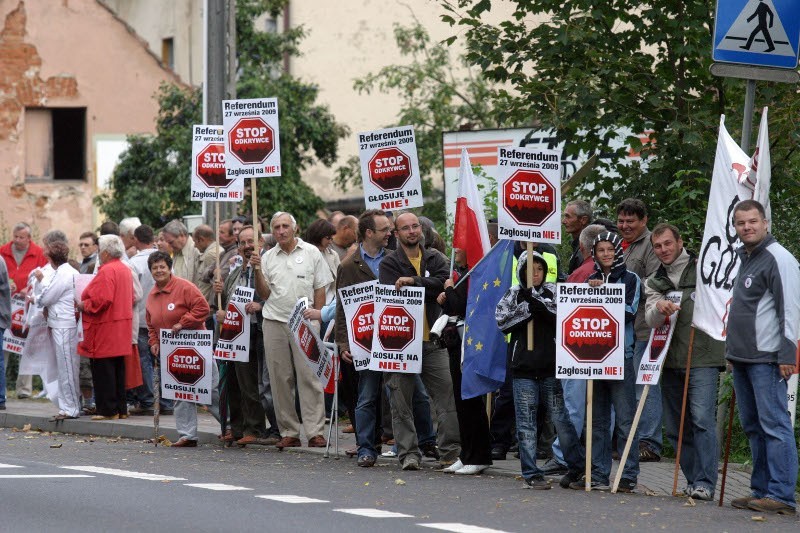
(762, 345)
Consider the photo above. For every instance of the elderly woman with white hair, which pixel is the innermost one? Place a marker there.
(107, 307)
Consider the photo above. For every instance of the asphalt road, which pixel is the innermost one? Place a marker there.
(126, 485)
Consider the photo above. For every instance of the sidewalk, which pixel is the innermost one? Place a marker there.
(655, 479)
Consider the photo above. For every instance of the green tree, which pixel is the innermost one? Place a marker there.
(601, 73)
(438, 94)
(152, 179)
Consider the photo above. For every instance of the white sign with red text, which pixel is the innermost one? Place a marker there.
(305, 336)
(397, 335)
(186, 360)
(252, 138)
(529, 195)
(358, 302)
(390, 168)
(14, 336)
(649, 371)
(209, 181)
(234, 331)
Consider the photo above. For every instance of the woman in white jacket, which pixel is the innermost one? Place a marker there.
(57, 299)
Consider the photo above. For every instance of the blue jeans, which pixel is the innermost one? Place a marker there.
(765, 420)
(2, 373)
(622, 396)
(699, 445)
(369, 390)
(649, 429)
(529, 396)
(575, 403)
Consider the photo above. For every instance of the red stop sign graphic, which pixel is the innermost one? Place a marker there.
(395, 328)
(590, 334)
(362, 325)
(529, 197)
(389, 169)
(660, 340)
(307, 342)
(186, 366)
(211, 166)
(233, 324)
(18, 327)
(251, 140)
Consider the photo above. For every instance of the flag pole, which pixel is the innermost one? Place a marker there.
(731, 409)
(629, 442)
(683, 414)
(529, 275)
(589, 403)
(469, 272)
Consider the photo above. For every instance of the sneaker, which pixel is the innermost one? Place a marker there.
(499, 454)
(366, 461)
(568, 479)
(768, 505)
(626, 485)
(595, 485)
(389, 453)
(536, 484)
(429, 449)
(646, 455)
(458, 465)
(702, 493)
(2, 407)
(687, 491)
(41, 395)
(411, 463)
(553, 468)
(22, 396)
(743, 503)
(471, 470)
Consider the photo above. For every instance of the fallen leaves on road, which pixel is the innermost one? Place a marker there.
(57, 445)
(689, 502)
(758, 518)
(399, 482)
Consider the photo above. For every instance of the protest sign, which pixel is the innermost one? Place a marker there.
(590, 331)
(359, 307)
(529, 195)
(209, 181)
(306, 338)
(649, 371)
(80, 282)
(390, 168)
(186, 361)
(14, 336)
(252, 139)
(234, 332)
(397, 335)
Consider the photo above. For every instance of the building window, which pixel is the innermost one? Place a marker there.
(55, 143)
(168, 53)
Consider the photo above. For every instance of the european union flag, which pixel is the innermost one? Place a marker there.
(484, 367)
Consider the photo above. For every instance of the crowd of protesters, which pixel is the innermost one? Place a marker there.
(147, 279)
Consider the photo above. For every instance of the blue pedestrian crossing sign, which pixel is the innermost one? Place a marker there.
(757, 32)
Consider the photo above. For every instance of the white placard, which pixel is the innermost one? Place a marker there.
(252, 138)
(397, 336)
(590, 331)
(208, 167)
(649, 371)
(186, 361)
(234, 332)
(15, 335)
(358, 302)
(305, 336)
(529, 195)
(390, 168)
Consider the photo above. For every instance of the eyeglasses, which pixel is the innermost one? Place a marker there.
(415, 227)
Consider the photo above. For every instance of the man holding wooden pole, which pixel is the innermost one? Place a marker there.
(695, 378)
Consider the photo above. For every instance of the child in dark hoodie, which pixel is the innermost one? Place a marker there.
(621, 394)
(533, 371)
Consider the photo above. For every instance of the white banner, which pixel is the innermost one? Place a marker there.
(305, 336)
(397, 336)
(234, 332)
(590, 331)
(529, 195)
(390, 168)
(718, 264)
(14, 336)
(358, 302)
(209, 181)
(186, 365)
(252, 138)
(649, 371)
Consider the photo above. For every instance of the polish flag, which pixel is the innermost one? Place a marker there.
(470, 232)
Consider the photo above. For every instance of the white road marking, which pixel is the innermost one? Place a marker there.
(461, 528)
(124, 473)
(288, 498)
(2, 465)
(215, 486)
(34, 476)
(374, 513)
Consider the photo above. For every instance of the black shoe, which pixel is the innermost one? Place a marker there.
(141, 411)
(554, 468)
(166, 412)
(2, 407)
(568, 479)
(626, 485)
(429, 449)
(498, 454)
